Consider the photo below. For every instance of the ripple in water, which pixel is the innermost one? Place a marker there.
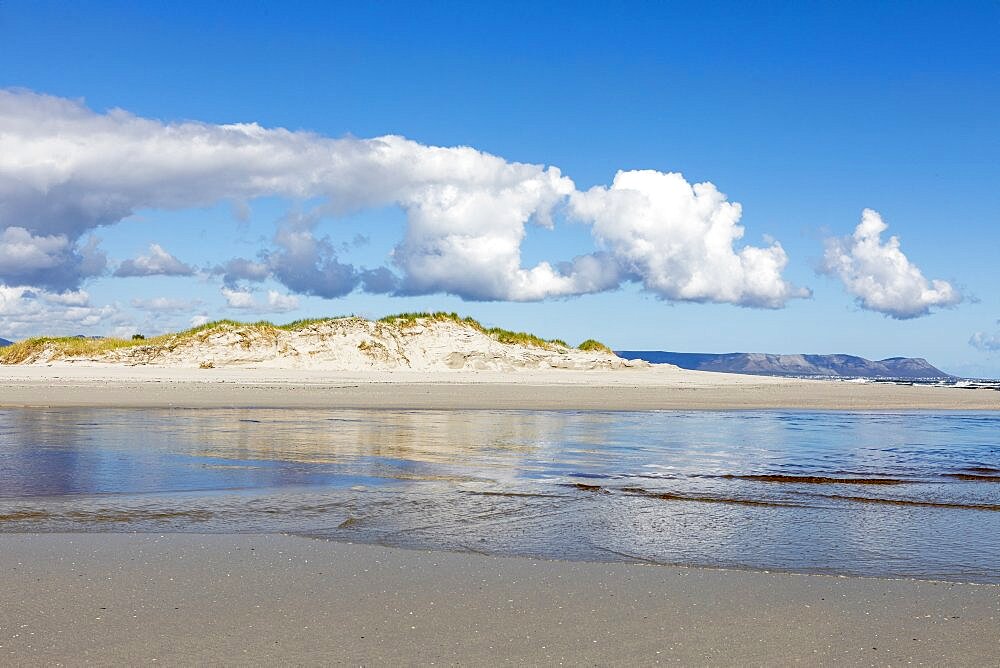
(886, 494)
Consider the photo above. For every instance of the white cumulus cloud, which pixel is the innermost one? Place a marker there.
(50, 261)
(239, 299)
(985, 342)
(279, 303)
(165, 304)
(241, 269)
(67, 298)
(880, 276)
(65, 170)
(158, 263)
(26, 310)
(678, 240)
(20, 250)
(245, 300)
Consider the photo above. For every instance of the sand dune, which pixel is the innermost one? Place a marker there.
(342, 344)
(426, 362)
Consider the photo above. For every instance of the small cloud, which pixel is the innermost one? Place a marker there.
(199, 320)
(68, 298)
(242, 269)
(239, 299)
(122, 332)
(240, 210)
(279, 303)
(165, 304)
(307, 264)
(26, 311)
(359, 241)
(986, 342)
(158, 263)
(880, 276)
(245, 300)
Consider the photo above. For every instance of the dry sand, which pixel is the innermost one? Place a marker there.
(628, 389)
(270, 600)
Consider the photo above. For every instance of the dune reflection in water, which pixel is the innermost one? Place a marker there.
(907, 494)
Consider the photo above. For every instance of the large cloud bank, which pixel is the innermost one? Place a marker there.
(880, 276)
(66, 170)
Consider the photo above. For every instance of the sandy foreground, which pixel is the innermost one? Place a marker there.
(184, 599)
(629, 389)
(270, 600)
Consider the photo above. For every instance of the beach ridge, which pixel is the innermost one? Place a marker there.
(629, 389)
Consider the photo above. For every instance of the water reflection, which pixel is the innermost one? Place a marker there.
(881, 494)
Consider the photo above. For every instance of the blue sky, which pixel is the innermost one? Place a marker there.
(804, 113)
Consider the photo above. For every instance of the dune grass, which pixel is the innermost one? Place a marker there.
(67, 346)
(500, 334)
(407, 319)
(74, 346)
(297, 325)
(70, 346)
(595, 346)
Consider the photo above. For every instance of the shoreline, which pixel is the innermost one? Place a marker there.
(629, 390)
(629, 560)
(128, 598)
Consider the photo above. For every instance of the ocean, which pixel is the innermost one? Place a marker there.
(887, 494)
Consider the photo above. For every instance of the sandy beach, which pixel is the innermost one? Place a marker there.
(631, 389)
(238, 599)
(267, 599)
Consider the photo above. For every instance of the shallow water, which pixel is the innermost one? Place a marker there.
(887, 494)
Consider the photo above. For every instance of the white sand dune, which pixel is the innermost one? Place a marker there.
(349, 344)
(436, 363)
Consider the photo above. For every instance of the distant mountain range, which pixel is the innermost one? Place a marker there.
(5, 342)
(763, 364)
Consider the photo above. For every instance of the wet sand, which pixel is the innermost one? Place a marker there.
(638, 389)
(249, 599)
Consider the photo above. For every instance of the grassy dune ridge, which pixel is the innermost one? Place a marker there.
(70, 346)
(498, 333)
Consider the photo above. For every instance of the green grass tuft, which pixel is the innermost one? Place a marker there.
(410, 319)
(305, 323)
(498, 333)
(592, 345)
